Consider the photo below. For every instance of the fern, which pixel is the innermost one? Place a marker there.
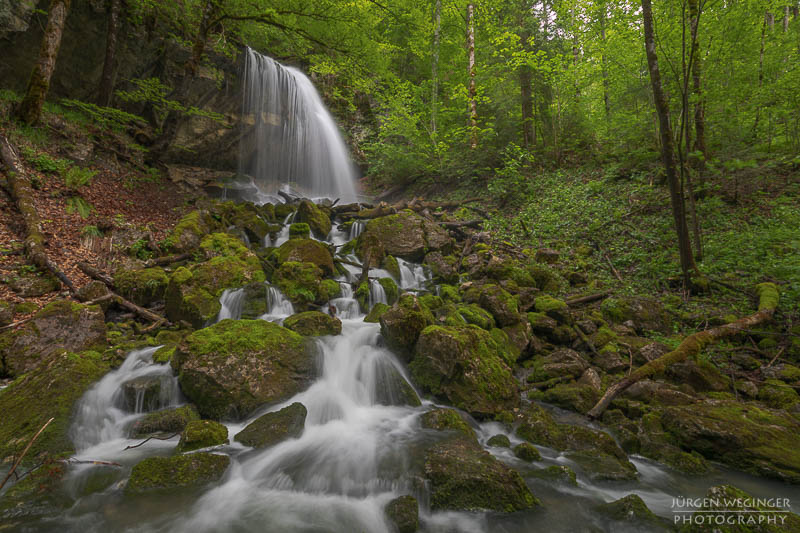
(76, 204)
(76, 177)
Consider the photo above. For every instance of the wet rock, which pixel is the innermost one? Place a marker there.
(724, 500)
(403, 513)
(235, 366)
(464, 477)
(376, 313)
(271, 428)
(630, 508)
(747, 388)
(556, 473)
(527, 452)
(202, 434)
(318, 220)
(178, 472)
(141, 394)
(142, 287)
(313, 323)
(502, 306)
(61, 326)
(519, 337)
(391, 388)
(465, 366)
(402, 324)
(542, 324)
(305, 251)
(405, 235)
(447, 419)
(302, 284)
(166, 421)
(499, 441)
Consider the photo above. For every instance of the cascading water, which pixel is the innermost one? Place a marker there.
(289, 137)
(412, 277)
(377, 294)
(278, 307)
(231, 303)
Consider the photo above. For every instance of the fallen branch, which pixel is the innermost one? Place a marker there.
(25, 451)
(22, 192)
(168, 260)
(768, 296)
(476, 224)
(587, 299)
(152, 438)
(132, 307)
(95, 273)
(586, 340)
(15, 324)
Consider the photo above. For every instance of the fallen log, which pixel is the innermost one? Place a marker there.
(95, 273)
(587, 299)
(476, 224)
(22, 192)
(168, 260)
(768, 297)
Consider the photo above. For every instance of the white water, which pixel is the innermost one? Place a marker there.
(290, 138)
(377, 294)
(231, 303)
(278, 307)
(412, 277)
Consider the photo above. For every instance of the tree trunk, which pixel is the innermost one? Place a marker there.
(697, 67)
(668, 148)
(107, 78)
(437, 29)
(526, 86)
(760, 74)
(473, 106)
(199, 44)
(768, 297)
(30, 109)
(603, 67)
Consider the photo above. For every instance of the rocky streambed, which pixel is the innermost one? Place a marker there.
(346, 368)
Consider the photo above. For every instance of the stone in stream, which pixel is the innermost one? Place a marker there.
(166, 421)
(202, 434)
(142, 394)
(391, 388)
(313, 323)
(632, 508)
(230, 369)
(442, 419)
(402, 324)
(527, 452)
(405, 235)
(499, 441)
(192, 470)
(557, 473)
(274, 427)
(403, 513)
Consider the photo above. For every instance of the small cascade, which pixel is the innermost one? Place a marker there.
(231, 302)
(377, 295)
(355, 229)
(346, 306)
(278, 307)
(288, 135)
(412, 276)
(283, 234)
(108, 408)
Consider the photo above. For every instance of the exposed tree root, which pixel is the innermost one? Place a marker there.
(22, 193)
(768, 297)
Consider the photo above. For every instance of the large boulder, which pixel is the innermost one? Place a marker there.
(231, 368)
(403, 513)
(502, 306)
(272, 428)
(61, 326)
(172, 420)
(302, 284)
(143, 286)
(317, 219)
(465, 366)
(247, 218)
(313, 323)
(405, 234)
(402, 324)
(192, 470)
(190, 230)
(464, 477)
(305, 251)
(202, 434)
(49, 390)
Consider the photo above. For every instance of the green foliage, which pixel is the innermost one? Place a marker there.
(76, 204)
(140, 250)
(154, 92)
(45, 163)
(91, 231)
(105, 117)
(76, 177)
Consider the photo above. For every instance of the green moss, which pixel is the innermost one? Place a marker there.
(447, 420)
(552, 307)
(527, 452)
(376, 312)
(789, 373)
(165, 421)
(449, 294)
(274, 427)
(474, 314)
(164, 354)
(777, 394)
(178, 472)
(303, 250)
(499, 441)
(318, 221)
(299, 230)
(604, 336)
(431, 301)
(403, 513)
(313, 323)
(329, 289)
(142, 287)
(768, 296)
(391, 265)
(574, 397)
(558, 473)
(391, 290)
(202, 434)
(299, 282)
(629, 508)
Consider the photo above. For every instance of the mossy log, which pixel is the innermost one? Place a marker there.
(768, 297)
(19, 185)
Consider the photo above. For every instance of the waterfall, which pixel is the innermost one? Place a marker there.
(231, 302)
(411, 276)
(377, 294)
(356, 228)
(278, 307)
(289, 137)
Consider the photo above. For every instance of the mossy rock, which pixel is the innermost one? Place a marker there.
(28, 284)
(62, 325)
(527, 452)
(630, 508)
(777, 394)
(464, 477)
(299, 230)
(499, 441)
(444, 268)
(284, 210)
(502, 305)
(554, 308)
(272, 428)
(313, 323)
(142, 287)
(405, 235)
(556, 473)
(391, 265)
(403, 514)
(50, 390)
(431, 301)
(376, 312)
(646, 313)
(471, 314)
(723, 500)
(192, 470)
(571, 396)
(190, 230)
(317, 219)
(301, 283)
(789, 373)
(247, 218)
(166, 421)
(443, 419)
(449, 294)
(391, 388)
(233, 367)
(466, 367)
(202, 434)
(305, 251)
(390, 289)
(402, 324)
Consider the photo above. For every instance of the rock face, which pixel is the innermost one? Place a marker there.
(402, 324)
(313, 323)
(447, 419)
(405, 235)
(202, 434)
(166, 421)
(177, 472)
(58, 327)
(403, 513)
(465, 366)
(464, 477)
(231, 368)
(50, 390)
(272, 428)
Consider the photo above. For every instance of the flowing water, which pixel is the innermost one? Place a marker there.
(289, 137)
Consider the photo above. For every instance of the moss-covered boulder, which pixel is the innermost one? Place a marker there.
(247, 218)
(744, 436)
(202, 434)
(402, 324)
(571, 396)
(443, 267)
(556, 473)
(305, 251)
(190, 230)
(503, 307)
(777, 394)
(49, 390)
(466, 367)
(391, 388)
(647, 314)
(596, 452)
(464, 477)
(527, 452)
(471, 314)
(562, 363)
(231, 368)
(166, 421)
(376, 313)
(403, 514)
(390, 289)
(271, 428)
(313, 323)
(442, 419)
(405, 235)
(631, 508)
(303, 285)
(60, 326)
(499, 441)
(553, 307)
(317, 219)
(192, 470)
(142, 287)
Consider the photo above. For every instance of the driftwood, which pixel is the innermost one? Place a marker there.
(97, 274)
(168, 260)
(22, 192)
(148, 439)
(587, 299)
(24, 452)
(94, 273)
(768, 297)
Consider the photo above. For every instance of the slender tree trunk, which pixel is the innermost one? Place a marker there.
(437, 28)
(697, 69)
(667, 148)
(760, 74)
(785, 19)
(199, 44)
(107, 78)
(30, 109)
(603, 67)
(526, 95)
(473, 106)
